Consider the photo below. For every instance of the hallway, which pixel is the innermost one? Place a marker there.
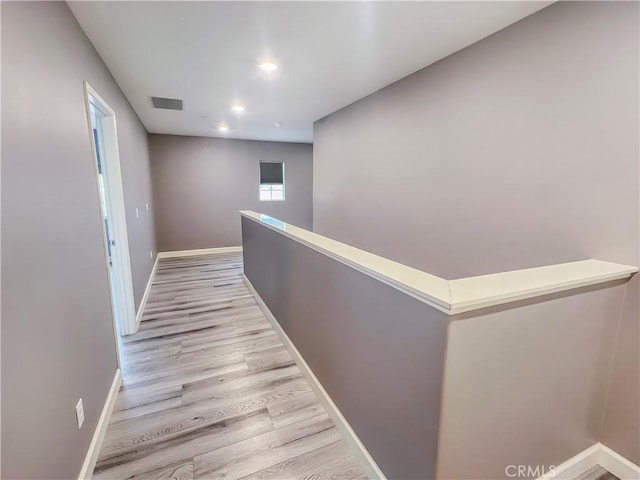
(210, 391)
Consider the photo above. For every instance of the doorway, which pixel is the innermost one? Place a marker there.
(104, 143)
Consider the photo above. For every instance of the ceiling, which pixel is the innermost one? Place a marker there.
(329, 55)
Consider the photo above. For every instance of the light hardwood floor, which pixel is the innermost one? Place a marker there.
(597, 473)
(210, 391)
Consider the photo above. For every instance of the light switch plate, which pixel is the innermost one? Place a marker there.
(137, 213)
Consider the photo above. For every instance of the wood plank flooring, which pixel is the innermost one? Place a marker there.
(597, 473)
(210, 392)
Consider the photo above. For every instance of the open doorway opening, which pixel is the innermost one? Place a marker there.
(104, 142)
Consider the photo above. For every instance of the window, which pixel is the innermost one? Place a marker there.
(271, 181)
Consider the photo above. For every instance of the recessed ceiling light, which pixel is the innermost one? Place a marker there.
(223, 127)
(237, 107)
(268, 66)
(278, 124)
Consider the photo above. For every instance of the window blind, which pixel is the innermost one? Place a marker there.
(271, 173)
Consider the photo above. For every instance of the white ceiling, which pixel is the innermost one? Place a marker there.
(330, 54)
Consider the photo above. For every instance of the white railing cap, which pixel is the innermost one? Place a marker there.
(463, 294)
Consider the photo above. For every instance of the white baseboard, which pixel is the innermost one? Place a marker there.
(351, 439)
(576, 465)
(199, 251)
(597, 454)
(101, 429)
(145, 296)
(618, 465)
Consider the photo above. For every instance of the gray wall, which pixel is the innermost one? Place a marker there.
(622, 420)
(200, 184)
(521, 150)
(526, 383)
(136, 182)
(57, 333)
(377, 352)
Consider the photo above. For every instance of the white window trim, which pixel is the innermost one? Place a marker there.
(284, 190)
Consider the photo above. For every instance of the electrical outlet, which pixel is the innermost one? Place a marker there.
(80, 413)
(147, 205)
(137, 213)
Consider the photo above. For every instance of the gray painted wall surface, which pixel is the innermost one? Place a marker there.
(378, 352)
(521, 150)
(200, 184)
(622, 420)
(518, 151)
(57, 334)
(526, 384)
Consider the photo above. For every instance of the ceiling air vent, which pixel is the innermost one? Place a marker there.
(167, 103)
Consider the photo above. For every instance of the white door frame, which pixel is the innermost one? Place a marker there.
(123, 306)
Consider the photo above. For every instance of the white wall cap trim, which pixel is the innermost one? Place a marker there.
(488, 290)
(460, 295)
(423, 286)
